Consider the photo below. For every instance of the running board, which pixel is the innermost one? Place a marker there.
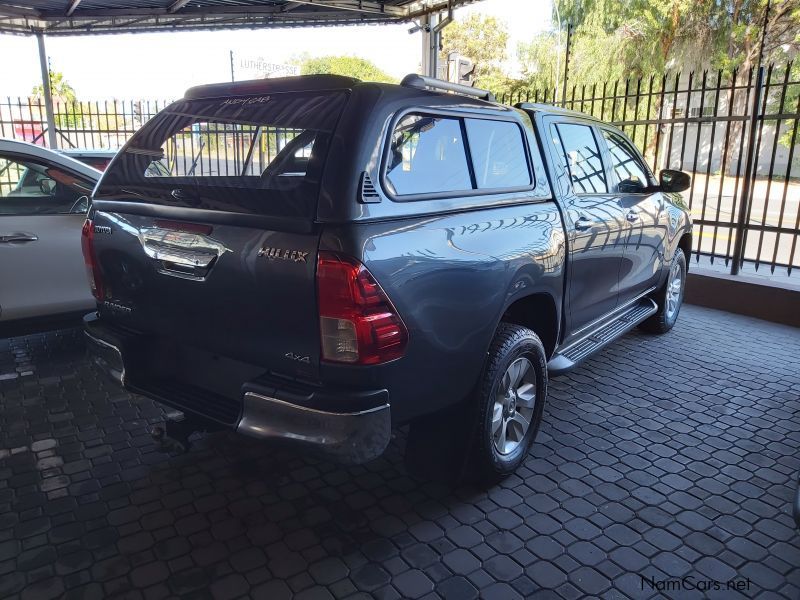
(569, 357)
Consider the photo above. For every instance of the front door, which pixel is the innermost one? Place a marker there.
(643, 205)
(594, 222)
(42, 210)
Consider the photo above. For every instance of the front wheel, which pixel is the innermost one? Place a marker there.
(511, 396)
(669, 297)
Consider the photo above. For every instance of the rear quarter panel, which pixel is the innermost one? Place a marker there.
(451, 277)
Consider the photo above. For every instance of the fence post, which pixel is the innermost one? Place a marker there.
(750, 166)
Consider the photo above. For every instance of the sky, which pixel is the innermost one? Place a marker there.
(164, 65)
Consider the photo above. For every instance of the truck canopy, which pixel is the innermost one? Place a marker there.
(258, 154)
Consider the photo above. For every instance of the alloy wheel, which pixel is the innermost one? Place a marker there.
(515, 399)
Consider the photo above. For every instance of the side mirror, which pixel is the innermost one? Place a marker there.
(48, 186)
(674, 181)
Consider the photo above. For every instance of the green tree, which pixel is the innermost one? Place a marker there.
(642, 37)
(350, 66)
(482, 39)
(539, 61)
(60, 89)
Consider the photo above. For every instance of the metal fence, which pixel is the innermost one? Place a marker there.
(736, 133)
(86, 124)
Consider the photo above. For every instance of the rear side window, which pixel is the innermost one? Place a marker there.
(251, 154)
(427, 156)
(582, 155)
(498, 154)
(431, 154)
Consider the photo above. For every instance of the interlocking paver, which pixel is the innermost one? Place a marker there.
(661, 457)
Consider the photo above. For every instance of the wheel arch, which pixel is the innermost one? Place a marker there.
(685, 244)
(539, 313)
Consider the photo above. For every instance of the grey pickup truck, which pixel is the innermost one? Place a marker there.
(318, 259)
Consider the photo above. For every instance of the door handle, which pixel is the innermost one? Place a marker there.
(632, 216)
(583, 224)
(17, 237)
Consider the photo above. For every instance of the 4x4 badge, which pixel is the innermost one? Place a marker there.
(281, 254)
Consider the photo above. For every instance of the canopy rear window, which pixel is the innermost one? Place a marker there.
(255, 154)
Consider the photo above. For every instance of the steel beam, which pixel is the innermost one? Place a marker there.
(72, 6)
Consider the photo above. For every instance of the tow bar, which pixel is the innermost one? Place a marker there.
(173, 436)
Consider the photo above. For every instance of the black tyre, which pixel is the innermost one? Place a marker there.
(510, 399)
(669, 298)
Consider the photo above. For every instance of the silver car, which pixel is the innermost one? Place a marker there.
(44, 197)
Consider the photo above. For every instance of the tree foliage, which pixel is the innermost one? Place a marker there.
(60, 89)
(641, 37)
(483, 39)
(350, 66)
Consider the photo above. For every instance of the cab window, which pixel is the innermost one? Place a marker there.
(582, 156)
(630, 172)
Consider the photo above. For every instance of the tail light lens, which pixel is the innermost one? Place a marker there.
(90, 260)
(358, 323)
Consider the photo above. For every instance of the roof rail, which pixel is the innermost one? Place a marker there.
(418, 81)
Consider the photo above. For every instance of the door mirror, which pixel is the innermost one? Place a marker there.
(674, 181)
(48, 186)
(631, 186)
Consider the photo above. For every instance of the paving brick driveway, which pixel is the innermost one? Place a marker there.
(663, 457)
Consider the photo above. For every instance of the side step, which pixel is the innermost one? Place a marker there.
(569, 357)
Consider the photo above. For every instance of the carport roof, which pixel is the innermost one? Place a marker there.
(86, 17)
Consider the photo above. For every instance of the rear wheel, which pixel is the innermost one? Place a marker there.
(669, 297)
(510, 396)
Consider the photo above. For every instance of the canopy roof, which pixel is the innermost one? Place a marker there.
(86, 17)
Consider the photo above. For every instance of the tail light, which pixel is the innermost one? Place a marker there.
(358, 323)
(90, 260)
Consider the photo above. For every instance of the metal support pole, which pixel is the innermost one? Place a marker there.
(232, 79)
(750, 166)
(48, 95)
(426, 29)
(566, 64)
(431, 27)
(433, 50)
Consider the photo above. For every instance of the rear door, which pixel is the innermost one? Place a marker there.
(643, 205)
(204, 229)
(594, 221)
(42, 209)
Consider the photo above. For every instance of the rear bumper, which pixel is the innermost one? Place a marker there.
(269, 412)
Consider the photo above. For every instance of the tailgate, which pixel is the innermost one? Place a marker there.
(204, 233)
(236, 291)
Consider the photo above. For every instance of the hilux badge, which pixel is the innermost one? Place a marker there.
(281, 254)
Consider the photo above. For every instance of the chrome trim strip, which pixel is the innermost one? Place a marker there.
(117, 374)
(351, 438)
(316, 411)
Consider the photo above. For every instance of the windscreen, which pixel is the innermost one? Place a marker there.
(254, 154)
